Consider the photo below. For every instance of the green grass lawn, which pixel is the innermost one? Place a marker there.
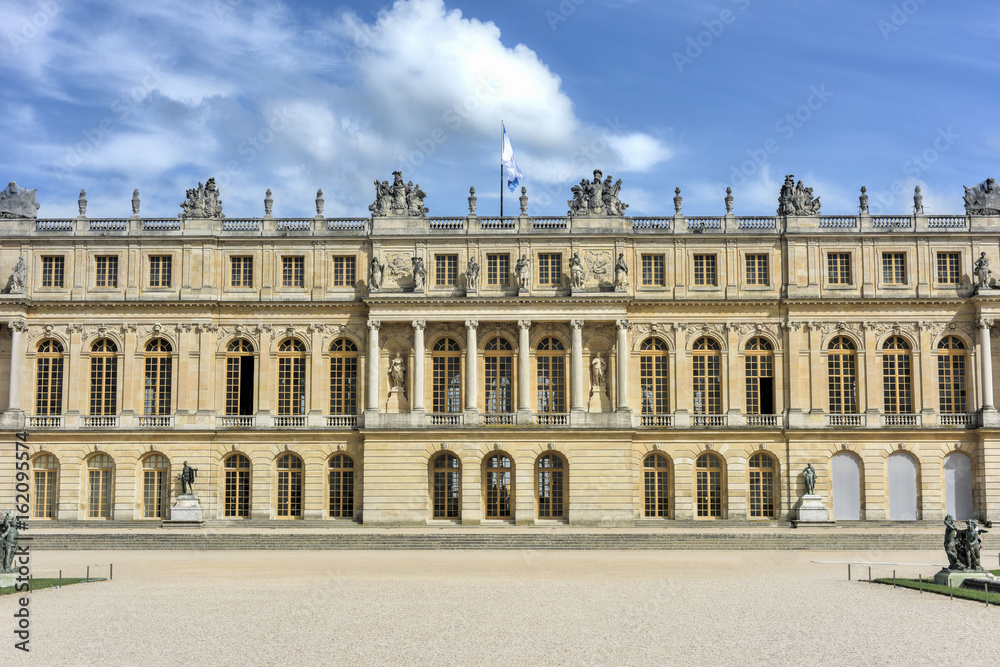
(40, 583)
(931, 587)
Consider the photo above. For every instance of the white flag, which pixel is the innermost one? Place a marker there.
(507, 157)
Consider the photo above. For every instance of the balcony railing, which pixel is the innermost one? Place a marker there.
(44, 422)
(108, 225)
(446, 419)
(236, 421)
(754, 222)
(498, 419)
(651, 223)
(708, 420)
(947, 221)
(290, 421)
(960, 420)
(846, 420)
(156, 421)
(295, 224)
(695, 224)
(162, 224)
(767, 421)
(892, 221)
(837, 221)
(549, 223)
(446, 223)
(901, 420)
(100, 422)
(54, 225)
(656, 420)
(552, 419)
(342, 421)
(241, 224)
(347, 224)
(498, 223)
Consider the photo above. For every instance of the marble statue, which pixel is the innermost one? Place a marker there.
(863, 201)
(596, 197)
(81, 203)
(678, 201)
(268, 202)
(523, 199)
(397, 371)
(203, 202)
(621, 272)
(983, 199)
(472, 200)
(187, 479)
(472, 274)
(8, 541)
(522, 272)
(576, 272)
(729, 200)
(809, 475)
(136, 202)
(320, 202)
(918, 201)
(981, 271)
(18, 278)
(597, 372)
(18, 202)
(398, 198)
(419, 274)
(796, 199)
(376, 272)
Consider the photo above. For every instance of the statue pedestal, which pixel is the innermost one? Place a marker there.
(599, 401)
(396, 402)
(8, 579)
(812, 510)
(187, 511)
(956, 577)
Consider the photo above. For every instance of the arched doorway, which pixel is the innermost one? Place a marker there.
(958, 485)
(846, 468)
(902, 487)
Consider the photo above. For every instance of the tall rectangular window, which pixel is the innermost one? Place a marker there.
(947, 268)
(838, 268)
(894, 268)
(160, 270)
(242, 271)
(106, 274)
(446, 270)
(498, 269)
(757, 270)
(550, 269)
(654, 270)
(53, 271)
(344, 271)
(704, 270)
(293, 271)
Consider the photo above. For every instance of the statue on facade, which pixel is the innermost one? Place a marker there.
(136, 201)
(18, 278)
(18, 202)
(729, 200)
(522, 272)
(982, 271)
(320, 202)
(809, 475)
(472, 274)
(796, 199)
(419, 274)
(397, 372)
(678, 201)
(472, 200)
(398, 199)
(918, 201)
(9, 540)
(376, 272)
(863, 201)
(523, 200)
(597, 197)
(268, 203)
(187, 479)
(621, 272)
(81, 203)
(597, 372)
(203, 202)
(577, 276)
(983, 199)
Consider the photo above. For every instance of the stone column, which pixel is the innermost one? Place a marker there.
(986, 358)
(622, 365)
(418, 365)
(576, 369)
(471, 365)
(523, 366)
(373, 365)
(17, 355)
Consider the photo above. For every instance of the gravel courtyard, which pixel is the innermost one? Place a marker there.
(496, 608)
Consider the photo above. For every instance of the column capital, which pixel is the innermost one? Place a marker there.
(374, 324)
(623, 324)
(524, 324)
(471, 324)
(419, 325)
(982, 323)
(576, 324)
(20, 326)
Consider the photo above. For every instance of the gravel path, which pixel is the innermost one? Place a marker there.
(495, 608)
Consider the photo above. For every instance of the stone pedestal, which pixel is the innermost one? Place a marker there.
(186, 511)
(956, 577)
(396, 402)
(812, 510)
(8, 579)
(599, 401)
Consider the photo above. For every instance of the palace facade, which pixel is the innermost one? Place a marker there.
(593, 369)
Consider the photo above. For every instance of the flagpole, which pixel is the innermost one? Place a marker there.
(501, 168)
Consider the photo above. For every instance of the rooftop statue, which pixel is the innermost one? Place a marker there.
(983, 199)
(203, 202)
(796, 199)
(18, 202)
(597, 198)
(398, 199)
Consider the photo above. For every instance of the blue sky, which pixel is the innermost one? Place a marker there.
(111, 95)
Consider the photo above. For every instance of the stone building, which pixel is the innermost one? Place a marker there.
(592, 369)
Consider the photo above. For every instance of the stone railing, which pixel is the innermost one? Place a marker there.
(959, 420)
(651, 223)
(294, 224)
(241, 224)
(498, 419)
(552, 419)
(892, 221)
(342, 421)
(452, 224)
(767, 421)
(108, 224)
(45, 422)
(947, 221)
(155, 421)
(549, 223)
(347, 224)
(708, 420)
(447, 419)
(838, 221)
(290, 421)
(235, 421)
(753, 222)
(846, 420)
(695, 224)
(901, 420)
(162, 224)
(498, 223)
(54, 224)
(100, 421)
(661, 421)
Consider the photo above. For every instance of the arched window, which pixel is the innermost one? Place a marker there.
(239, 378)
(498, 486)
(343, 377)
(291, 377)
(896, 395)
(708, 484)
(842, 376)
(951, 377)
(550, 487)
(446, 359)
(100, 477)
(49, 378)
(104, 378)
(762, 473)
(656, 469)
(498, 362)
(341, 487)
(706, 369)
(654, 365)
(759, 370)
(902, 487)
(958, 485)
(46, 485)
(155, 486)
(159, 371)
(237, 492)
(289, 486)
(846, 473)
(445, 483)
(550, 361)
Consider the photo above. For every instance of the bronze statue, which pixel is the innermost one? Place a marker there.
(950, 533)
(187, 479)
(809, 474)
(8, 541)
